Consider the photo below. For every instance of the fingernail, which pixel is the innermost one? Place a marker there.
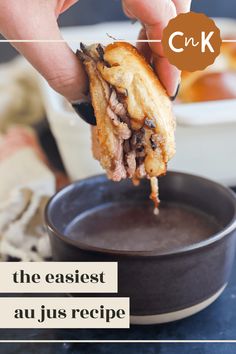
(85, 111)
(172, 98)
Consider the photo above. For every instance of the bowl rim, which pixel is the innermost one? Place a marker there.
(150, 253)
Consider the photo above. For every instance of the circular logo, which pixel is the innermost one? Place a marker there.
(191, 41)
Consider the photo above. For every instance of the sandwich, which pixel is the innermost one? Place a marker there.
(134, 136)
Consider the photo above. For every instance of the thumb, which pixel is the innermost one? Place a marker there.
(54, 60)
(60, 67)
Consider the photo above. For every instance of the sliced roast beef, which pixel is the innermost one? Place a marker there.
(131, 163)
(140, 171)
(137, 140)
(117, 107)
(119, 170)
(121, 129)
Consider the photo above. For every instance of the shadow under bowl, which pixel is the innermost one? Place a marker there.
(163, 285)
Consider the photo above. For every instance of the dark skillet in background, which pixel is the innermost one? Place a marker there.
(162, 287)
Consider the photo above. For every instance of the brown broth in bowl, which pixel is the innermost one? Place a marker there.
(130, 227)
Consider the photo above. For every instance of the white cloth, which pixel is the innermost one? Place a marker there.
(26, 184)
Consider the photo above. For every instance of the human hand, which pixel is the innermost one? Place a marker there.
(37, 20)
(154, 16)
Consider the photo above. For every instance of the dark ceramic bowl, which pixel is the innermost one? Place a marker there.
(162, 287)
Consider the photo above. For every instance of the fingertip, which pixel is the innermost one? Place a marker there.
(168, 74)
(144, 47)
(85, 111)
(182, 6)
(127, 12)
(65, 73)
